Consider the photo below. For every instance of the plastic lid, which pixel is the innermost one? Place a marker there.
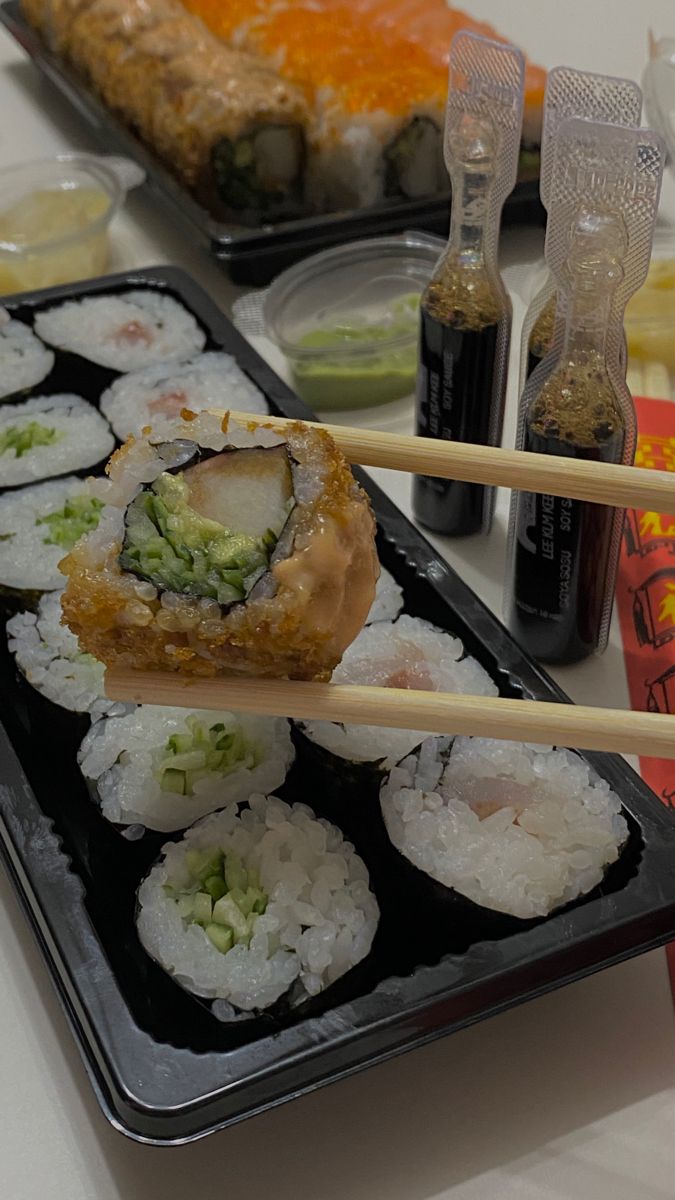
(658, 85)
(361, 291)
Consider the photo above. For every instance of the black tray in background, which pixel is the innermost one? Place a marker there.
(163, 1068)
(250, 256)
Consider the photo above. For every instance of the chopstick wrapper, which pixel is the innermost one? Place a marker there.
(646, 599)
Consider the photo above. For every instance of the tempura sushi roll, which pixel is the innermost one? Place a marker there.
(38, 526)
(246, 907)
(224, 121)
(48, 436)
(50, 658)
(388, 600)
(24, 361)
(210, 380)
(407, 653)
(514, 828)
(225, 550)
(125, 332)
(164, 768)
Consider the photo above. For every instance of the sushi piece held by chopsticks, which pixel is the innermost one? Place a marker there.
(244, 551)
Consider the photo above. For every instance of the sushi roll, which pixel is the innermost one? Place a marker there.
(38, 526)
(246, 907)
(517, 829)
(164, 768)
(388, 600)
(210, 380)
(50, 658)
(225, 550)
(125, 332)
(24, 361)
(224, 121)
(407, 653)
(48, 436)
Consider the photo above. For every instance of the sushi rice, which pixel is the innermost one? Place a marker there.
(407, 653)
(48, 436)
(318, 915)
(24, 361)
(49, 656)
(126, 332)
(167, 767)
(211, 380)
(519, 829)
(388, 600)
(38, 526)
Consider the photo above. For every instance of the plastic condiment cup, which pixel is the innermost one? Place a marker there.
(347, 319)
(80, 252)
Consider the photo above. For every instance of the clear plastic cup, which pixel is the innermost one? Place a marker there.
(54, 218)
(347, 320)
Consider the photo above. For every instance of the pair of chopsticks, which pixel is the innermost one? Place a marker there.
(649, 734)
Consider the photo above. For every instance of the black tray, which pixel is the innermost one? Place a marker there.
(251, 256)
(163, 1068)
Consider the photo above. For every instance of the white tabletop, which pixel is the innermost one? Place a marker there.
(570, 1097)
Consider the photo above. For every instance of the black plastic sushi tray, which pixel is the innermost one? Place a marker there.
(249, 255)
(164, 1068)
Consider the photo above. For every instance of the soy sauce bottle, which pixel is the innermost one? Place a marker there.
(564, 551)
(465, 322)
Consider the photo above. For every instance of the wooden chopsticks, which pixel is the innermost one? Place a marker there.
(616, 730)
(601, 483)
(480, 716)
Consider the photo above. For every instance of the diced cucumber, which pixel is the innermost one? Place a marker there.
(215, 885)
(258, 900)
(173, 781)
(185, 905)
(226, 912)
(179, 743)
(202, 908)
(190, 761)
(235, 872)
(202, 863)
(221, 937)
(218, 727)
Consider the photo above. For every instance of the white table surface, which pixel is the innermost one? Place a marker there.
(570, 1097)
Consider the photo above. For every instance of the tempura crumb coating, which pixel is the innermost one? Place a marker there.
(324, 589)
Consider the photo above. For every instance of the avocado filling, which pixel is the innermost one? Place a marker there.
(78, 516)
(223, 896)
(204, 531)
(23, 438)
(202, 752)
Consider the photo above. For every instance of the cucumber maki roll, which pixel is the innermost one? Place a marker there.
(167, 767)
(48, 436)
(407, 653)
(210, 380)
(24, 361)
(52, 661)
(246, 907)
(225, 550)
(38, 526)
(517, 829)
(124, 333)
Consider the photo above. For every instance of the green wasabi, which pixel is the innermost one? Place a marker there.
(358, 374)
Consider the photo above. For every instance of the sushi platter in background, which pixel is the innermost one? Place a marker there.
(392, 945)
(255, 239)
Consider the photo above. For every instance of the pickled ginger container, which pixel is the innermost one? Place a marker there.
(55, 215)
(347, 320)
